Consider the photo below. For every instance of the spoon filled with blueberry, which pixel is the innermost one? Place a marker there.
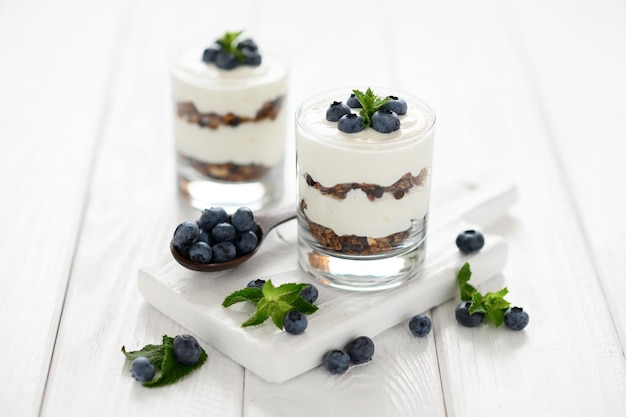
(219, 241)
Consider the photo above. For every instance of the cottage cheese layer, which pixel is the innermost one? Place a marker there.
(329, 158)
(244, 94)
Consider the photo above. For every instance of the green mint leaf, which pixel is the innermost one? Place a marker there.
(463, 278)
(495, 306)
(247, 294)
(477, 305)
(303, 306)
(261, 314)
(228, 44)
(371, 104)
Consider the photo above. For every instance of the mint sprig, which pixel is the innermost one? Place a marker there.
(371, 104)
(492, 304)
(227, 42)
(169, 370)
(271, 302)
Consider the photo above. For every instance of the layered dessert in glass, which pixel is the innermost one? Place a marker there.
(364, 175)
(230, 123)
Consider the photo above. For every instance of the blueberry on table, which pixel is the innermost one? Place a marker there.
(243, 219)
(420, 325)
(210, 53)
(396, 105)
(310, 293)
(336, 110)
(256, 283)
(223, 232)
(336, 361)
(223, 251)
(470, 241)
(142, 369)
(225, 60)
(385, 121)
(360, 350)
(295, 322)
(515, 318)
(185, 235)
(350, 123)
(353, 102)
(464, 317)
(245, 242)
(200, 252)
(211, 217)
(186, 349)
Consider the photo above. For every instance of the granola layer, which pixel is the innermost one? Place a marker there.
(229, 171)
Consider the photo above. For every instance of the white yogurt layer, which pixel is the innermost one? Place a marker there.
(242, 91)
(332, 157)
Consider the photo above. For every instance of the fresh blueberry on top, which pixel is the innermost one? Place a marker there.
(211, 217)
(515, 318)
(247, 44)
(360, 350)
(310, 293)
(256, 283)
(295, 322)
(200, 252)
(243, 219)
(186, 349)
(470, 241)
(245, 242)
(336, 361)
(420, 325)
(142, 369)
(252, 58)
(350, 123)
(464, 317)
(223, 251)
(336, 110)
(353, 102)
(223, 232)
(210, 53)
(385, 121)
(185, 235)
(225, 60)
(396, 105)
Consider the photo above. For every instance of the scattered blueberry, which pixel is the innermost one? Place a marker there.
(385, 121)
(396, 105)
(353, 102)
(223, 251)
(360, 350)
(210, 53)
(243, 219)
(223, 232)
(245, 242)
(310, 293)
(420, 325)
(351, 123)
(336, 110)
(211, 217)
(186, 349)
(225, 60)
(515, 318)
(295, 322)
(336, 361)
(142, 369)
(256, 283)
(470, 241)
(464, 317)
(185, 235)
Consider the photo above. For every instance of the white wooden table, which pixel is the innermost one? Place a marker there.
(534, 90)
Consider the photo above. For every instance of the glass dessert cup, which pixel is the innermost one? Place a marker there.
(229, 130)
(363, 197)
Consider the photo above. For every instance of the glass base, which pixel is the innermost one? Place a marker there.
(361, 273)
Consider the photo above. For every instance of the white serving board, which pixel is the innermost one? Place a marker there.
(194, 298)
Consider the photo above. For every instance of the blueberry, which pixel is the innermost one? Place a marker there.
(336, 110)
(203, 237)
(353, 102)
(225, 60)
(385, 121)
(142, 369)
(360, 350)
(243, 219)
(295, 322)
(470, 241)
(464, 317)
(247, 44)
(420, 325)
(516, 318)
(256, 283)
(223, 232)
(336, 361)
(245, 242)
(351, 123)
(396, 105)
(185, 235)
(200, 252)
(251, 58)
(212, 216)
(186, 349)
(310, 293)
(223, 251)
(210, 53)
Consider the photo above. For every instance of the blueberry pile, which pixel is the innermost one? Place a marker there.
(216, 236)
(358, 351)
(384, 119)
(226, 53)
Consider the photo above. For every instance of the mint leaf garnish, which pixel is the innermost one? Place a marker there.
(493, 304)
(169, 370)
(227, 42)
(271, 302)
(371, 104)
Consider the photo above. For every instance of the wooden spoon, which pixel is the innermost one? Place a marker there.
(266, 221)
